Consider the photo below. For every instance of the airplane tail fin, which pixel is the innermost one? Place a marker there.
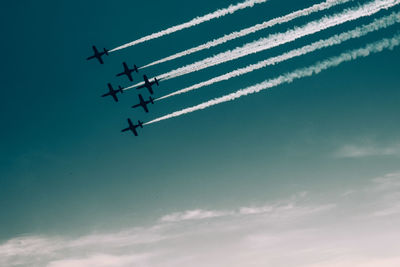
(151, 100)
(135, 68)
(140, 123)
(121, 89)
(106, 51)
(155, 79)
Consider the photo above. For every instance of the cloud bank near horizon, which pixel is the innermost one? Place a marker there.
(298, 231)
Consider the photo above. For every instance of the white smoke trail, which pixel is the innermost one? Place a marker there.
(234, 35)
(290, 77)
(281, 38)
(377, 24)
(196, 21)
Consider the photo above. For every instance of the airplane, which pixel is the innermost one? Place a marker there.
(147, 84)
(144, 103)
(127, 71)
(98, 54)
(113, 92)
(132, 127)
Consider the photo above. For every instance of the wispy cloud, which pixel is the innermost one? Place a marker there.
(100, 260)
(297, 231)
(392, 210)
(367, 150)
(389, 187)
(193, 215)
(388, 262)
(388, 181)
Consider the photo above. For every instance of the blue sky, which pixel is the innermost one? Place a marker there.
(67, 172)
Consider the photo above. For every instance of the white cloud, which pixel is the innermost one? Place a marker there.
(367, 150)
(388, 181)
(256, 210)
(100, 260)
(393, 210)
(389, 262)
(352, 231)
(389, 187)
(193, 215)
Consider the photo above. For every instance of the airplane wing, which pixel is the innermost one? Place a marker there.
(115, 97)
(145, 108)
(129, 76)
(134, 132)
(100, 60)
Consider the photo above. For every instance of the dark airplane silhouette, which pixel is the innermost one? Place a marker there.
(132, 127)
(127, 71)
(144, 103)
(113, 92)
(98, 54)
(147, 84)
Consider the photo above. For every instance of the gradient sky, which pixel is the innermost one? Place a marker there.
(67, 171)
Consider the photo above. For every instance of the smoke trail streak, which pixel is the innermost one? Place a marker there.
(196, 21)
(281, 38)
(290, 77)
(234, 35)
(337, 39)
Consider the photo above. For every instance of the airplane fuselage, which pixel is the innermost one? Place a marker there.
(98, 54)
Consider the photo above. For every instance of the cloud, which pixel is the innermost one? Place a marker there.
(367, 150)
(99, 260)
(390, 262)
(387, 182)
(393, 210)
(281, 208)
(193, 215)
(389, 187)
(297, 231)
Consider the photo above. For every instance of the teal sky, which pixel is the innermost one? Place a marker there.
(67, 170)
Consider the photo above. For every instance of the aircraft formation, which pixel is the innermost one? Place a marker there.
(127, 71)
(272, 39)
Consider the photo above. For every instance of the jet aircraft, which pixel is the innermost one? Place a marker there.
(143, 103)
(127, 71)
(147, 84)
(98, 54)
(113, 92)
(132, 127)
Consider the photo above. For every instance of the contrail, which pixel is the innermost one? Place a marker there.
(377, 24)
(290, 77)
(281, 38)
(234, 35)
(196, 21)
